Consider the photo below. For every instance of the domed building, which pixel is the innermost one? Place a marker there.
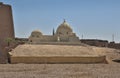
(64, 33)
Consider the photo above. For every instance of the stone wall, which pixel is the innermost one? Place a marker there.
(114, 45)
(57, 59)
(95, 42)
(43, 38)
(101, 43)
(6, 22)
(74, 39)
(49, 38)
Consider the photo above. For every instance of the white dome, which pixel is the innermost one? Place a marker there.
(37, 31)
(64, 28)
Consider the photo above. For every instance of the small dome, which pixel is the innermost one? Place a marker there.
(36, 32)
(63, 28)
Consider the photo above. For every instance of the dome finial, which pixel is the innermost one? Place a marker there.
(64, 20)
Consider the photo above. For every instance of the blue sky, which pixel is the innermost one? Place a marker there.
(94, 19)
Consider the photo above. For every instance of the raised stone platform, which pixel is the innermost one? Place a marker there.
(55, 54)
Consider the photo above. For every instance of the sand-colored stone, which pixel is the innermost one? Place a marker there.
(52, 50)
(62, 59)
(55, 54)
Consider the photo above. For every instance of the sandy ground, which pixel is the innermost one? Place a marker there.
(111, 54)
(60, 71)
(52, 50)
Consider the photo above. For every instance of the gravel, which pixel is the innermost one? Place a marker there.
(59, 70)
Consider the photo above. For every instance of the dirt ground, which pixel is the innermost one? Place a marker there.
(60, 71)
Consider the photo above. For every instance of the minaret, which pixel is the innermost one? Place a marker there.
(113, 37)
(53, 32)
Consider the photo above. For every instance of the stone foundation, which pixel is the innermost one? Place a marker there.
(57, 59)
